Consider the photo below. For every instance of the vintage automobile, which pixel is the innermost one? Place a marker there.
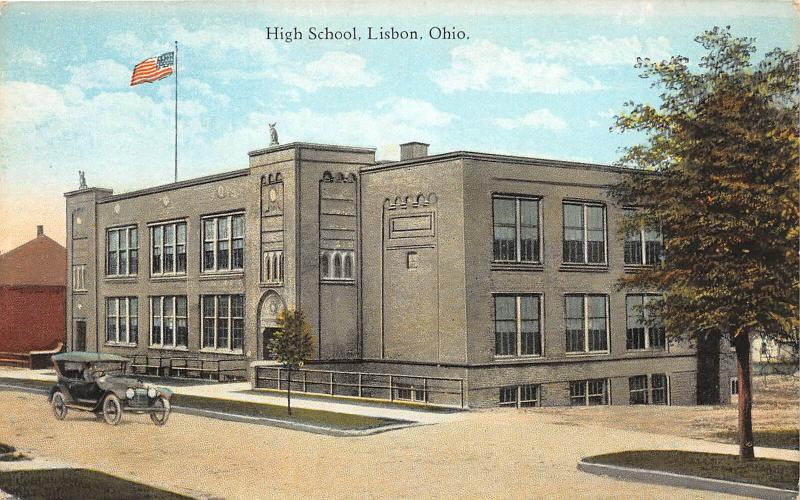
(95, 382)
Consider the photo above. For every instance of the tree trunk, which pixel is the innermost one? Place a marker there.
(742, 343)
(289, 390)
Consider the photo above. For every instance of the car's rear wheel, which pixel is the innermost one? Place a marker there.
(59, 405)
(112, 409)
(161, 414)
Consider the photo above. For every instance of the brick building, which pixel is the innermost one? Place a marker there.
(32, 296)
(498, 271)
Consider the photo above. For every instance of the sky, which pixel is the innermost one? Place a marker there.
(540, 79)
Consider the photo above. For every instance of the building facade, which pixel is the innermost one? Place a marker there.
(32, 297)
(500, 271)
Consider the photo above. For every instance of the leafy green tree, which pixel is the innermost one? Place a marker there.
(723, 144)
(291, 344)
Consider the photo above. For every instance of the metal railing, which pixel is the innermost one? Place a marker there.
(434, 391)
(190, 367)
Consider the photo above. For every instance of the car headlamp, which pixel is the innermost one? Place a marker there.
(151, 392)
(130, 393)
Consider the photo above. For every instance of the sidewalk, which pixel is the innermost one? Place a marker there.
(235, 392)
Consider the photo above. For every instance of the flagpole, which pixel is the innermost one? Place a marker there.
(176, 111)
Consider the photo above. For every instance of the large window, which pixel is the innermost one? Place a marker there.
(168, 255)
(589, 392)
(520, 395)
(122, 251)
(643, 246)
(517, 325)
(223, 242)
(336, 264)
(516, 229)
(652, 389)
(642, 332)
(223, 322)
(584, 233)
(169, 325)
(122, 320)
(586, 318)
(273, 266)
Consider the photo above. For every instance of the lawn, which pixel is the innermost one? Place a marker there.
(77, 484)
(332, 420)
(763, 471)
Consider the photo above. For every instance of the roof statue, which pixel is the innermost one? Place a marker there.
(82, 177)
(273, 135)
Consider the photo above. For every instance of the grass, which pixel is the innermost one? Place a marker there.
(69, 484)
(30, 384)
(763, 471)
(778, 438)
(339, 421)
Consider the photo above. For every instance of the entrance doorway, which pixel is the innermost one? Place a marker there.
(80, 335)
(266, 336)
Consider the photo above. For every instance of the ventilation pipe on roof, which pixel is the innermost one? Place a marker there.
(412, 150)
(39, 231)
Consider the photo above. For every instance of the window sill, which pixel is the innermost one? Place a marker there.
(221, 275)
(586, 354)
(337, 281)
(212, 350)
(132, 278)
(647, 351)
(119, 344)
(498, 265)
(583, 268)
(514, 357)
(271, 284)
(168, 277)
(637, 268)
(80, 292)
(168, 348)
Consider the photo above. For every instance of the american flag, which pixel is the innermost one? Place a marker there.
(153, 69)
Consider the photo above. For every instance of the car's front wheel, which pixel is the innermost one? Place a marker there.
(161, 413)
(112, 409)
(59, 405)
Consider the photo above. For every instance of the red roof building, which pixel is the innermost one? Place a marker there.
(33, 284)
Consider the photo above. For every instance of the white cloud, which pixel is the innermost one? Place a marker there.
(482, 65)
(537, 119)
(26, 56)
(103, 74)
(332, 69)
(391, 122)
(601, 51)
(201, 89)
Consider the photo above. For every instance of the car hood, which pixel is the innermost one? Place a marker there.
(121, 384)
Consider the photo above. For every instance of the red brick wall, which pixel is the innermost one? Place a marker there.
(31, 318)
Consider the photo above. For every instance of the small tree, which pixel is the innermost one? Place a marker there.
(291, 344)
(724, 145)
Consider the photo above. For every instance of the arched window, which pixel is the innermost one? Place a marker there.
(337, 266)
(280, 266)
(274, 265)
(324, 265)
(348, 266)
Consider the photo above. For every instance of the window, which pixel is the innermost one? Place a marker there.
(589, 392)
(409, 392)
(168, 254)
(517, 325)
(79, 278)
(641, 332)
(520, 396)
(652, 389)
(643, 246)
(734, 386)
(273, 266)
(223, 322)
(586, 320)
(168, 322)
(336, 264)
(223, 243)
(584, 233)
(122, 251)
(516, 229)
(122, 320)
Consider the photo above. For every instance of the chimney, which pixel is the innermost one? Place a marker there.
(412, 150)
(39, 231)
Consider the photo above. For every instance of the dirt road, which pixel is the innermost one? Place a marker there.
(490, 454)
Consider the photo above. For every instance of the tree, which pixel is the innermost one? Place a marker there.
(291, 345)
(722, 151)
